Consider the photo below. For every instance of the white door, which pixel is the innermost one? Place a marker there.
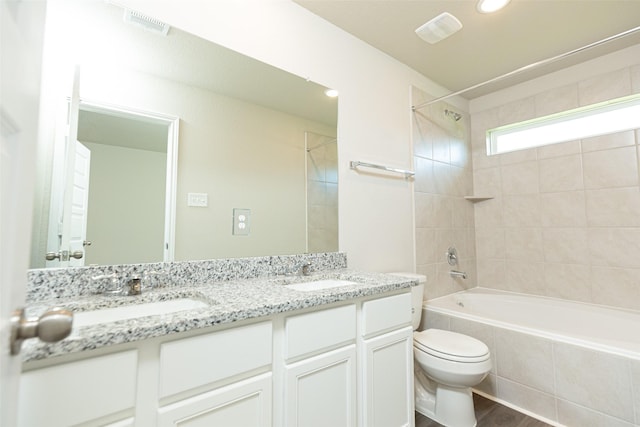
(21, 33)
(79, 203)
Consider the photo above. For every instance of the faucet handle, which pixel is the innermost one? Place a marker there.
(113, 288)
(307, 268)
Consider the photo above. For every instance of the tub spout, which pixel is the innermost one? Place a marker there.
(456, 273)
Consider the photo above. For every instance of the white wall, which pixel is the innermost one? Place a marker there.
(374, 117)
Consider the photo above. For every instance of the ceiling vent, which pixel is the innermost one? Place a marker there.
(146, 22)
(439, 28)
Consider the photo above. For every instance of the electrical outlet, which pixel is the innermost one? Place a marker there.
(199, 200)
(241, 224)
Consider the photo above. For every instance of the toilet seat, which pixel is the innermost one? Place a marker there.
(451, 346)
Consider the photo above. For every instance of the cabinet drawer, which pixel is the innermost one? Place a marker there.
(73, 393)
(386, 313)
(196, 361)
(310, 332)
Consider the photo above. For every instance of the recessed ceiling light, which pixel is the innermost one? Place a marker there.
(331, 93)
(439, 28)
(489, 6)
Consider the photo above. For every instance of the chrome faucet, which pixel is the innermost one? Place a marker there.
(134, 286)
(306, 269)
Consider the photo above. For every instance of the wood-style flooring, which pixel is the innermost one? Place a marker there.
(490, 414)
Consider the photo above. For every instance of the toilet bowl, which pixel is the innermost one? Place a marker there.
(446, 365)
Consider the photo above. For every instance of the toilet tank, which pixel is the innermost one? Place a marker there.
(417, 294)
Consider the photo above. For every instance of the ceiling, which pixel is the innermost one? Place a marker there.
(489, 45)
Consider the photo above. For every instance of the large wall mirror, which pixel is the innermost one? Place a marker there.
(160, 145)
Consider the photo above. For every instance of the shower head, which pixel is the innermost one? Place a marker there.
(455, 116)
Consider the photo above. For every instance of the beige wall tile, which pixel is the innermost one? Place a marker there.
(523, 244)
(425, 246)
(517, 111)
(422, 144)
(635, 380)
(527, 277)
(612, 140)
(635, 80)
(561, 174)
(440, 140)
(560, 149)
(521, 210)
(570, 414)
(489, 213)
(617, 287)
(613, 207)
(490, 242)
(594, 379)
(424, 180)
(566, 245)
(525, 359)
(605, 87)
(568, 281)
(556, 100)
(614, 247)
(610, 168)
(487, 182)
(521, 178)
(518, 156)
(565, 209)
(491, 273)
(423, 210)
(527, 398)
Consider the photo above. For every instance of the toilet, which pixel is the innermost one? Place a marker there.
(446, 365)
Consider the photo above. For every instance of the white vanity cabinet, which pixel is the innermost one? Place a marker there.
(239, 358)
(344, 364)
(95, 391)
(386, 362)
(320, 359)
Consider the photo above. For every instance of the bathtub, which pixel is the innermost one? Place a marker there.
(565, 363)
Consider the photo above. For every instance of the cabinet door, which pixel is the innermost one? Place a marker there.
(388, 380)
(241, 404)
(78, 392)
(321, 391)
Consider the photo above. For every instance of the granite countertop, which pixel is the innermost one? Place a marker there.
(228, 301)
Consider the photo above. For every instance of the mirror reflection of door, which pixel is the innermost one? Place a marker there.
(127, 185)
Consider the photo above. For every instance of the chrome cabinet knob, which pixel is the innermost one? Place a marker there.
(52, 326)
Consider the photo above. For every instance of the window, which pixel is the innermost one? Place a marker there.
(598, 119)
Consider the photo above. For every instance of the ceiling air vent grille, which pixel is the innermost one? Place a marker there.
(146, 22)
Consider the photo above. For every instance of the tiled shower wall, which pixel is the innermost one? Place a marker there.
(565, 218)
(322, 193)
(442, 161)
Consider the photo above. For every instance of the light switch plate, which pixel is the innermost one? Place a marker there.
(199, 200)
(241, 223)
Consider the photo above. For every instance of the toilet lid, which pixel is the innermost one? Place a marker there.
(451, 345)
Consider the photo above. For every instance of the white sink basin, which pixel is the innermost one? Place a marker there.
(319, 285)
(106, 315)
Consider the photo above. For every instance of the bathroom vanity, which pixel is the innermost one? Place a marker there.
(261, 353)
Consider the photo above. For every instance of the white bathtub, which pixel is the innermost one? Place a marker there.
(597, 327)
(568, 364)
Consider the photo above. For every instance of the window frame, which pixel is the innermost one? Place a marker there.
(570, 118)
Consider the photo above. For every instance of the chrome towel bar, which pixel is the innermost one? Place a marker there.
(354, 164)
